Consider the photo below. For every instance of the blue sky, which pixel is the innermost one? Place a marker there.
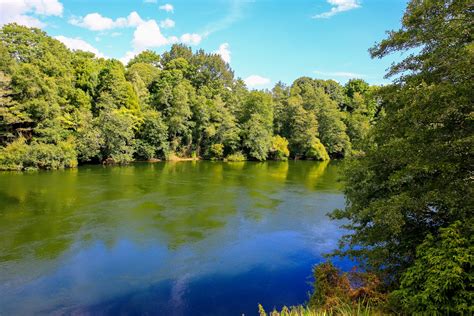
(264, 41)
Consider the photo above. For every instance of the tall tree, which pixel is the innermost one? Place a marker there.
(415, 181)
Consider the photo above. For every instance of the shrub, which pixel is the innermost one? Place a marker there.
(317, 151)
(441, 279)
(334, 290)
(238, 156)
(216, 151)
(19, 155)
(144, 150)
(279, 149)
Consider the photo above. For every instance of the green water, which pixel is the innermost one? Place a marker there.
(184, 238)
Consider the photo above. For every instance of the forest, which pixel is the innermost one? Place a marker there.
(409, 145)
(61, 108)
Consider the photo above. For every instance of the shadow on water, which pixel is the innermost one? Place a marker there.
(224, 236)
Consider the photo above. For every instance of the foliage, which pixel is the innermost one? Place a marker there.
(19, 155)
(152, 136)
(317, 151)
(413, 183)
(216, 151)
(333, 288)
(342, 310)
(441, 279)
(177, 104)
(117, 130)
(236, 157)
(279, 148)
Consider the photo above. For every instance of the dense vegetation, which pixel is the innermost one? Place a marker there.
(409, 193)
(60, 108)
(409, 197)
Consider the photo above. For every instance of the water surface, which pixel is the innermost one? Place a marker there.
(185, 238)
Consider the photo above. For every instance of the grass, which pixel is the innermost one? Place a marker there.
(340, 310)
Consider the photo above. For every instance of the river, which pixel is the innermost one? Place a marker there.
(182, 238)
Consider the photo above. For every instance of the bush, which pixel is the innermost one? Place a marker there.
(238, 156)
(144, 150)
(441, 278)
(216, 151)
(334, 290)
(22, 156)
(279, 149)
(317, 151)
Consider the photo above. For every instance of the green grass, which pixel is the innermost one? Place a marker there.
(340, 310)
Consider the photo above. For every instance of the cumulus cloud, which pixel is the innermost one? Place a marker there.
(20, 11)
(224, 52)
(128, 56)
(339, 74)
(256, 80)
(191, 38)
(338, 6)
(148, 34)
(78, 44)
(97, 22)
(167, 23)
(167, 7)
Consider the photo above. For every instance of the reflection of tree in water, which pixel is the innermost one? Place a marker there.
(45, 213)
(314, 173)
(36, 219)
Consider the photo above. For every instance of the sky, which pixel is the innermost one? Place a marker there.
(264, 41)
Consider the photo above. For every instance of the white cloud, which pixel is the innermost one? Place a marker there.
(128, 56)
(167, 23)
(97, 22)
(256, 80)
(191, 39)
(78, 44)
(167, 7)
(338, 6)
(94, 22)
(133, 20)
(339, 74)
(45, 7)
(148, 34)
(20, 11)
(224, 52)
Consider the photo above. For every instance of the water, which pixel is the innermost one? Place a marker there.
(185, 238)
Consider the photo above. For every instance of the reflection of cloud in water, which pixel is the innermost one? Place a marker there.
(178, 290)
(128, 229)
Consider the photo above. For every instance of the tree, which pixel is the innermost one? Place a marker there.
(414, 180)
(152, 137)
(114, 87)
(182, 102)
(117, 130)
(333, 130)
(301, 128)
(148, 57)
(257, 138)
(257, 120)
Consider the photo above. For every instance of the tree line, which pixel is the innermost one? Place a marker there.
(61, 107)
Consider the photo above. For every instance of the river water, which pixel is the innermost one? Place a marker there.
(183, 238)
